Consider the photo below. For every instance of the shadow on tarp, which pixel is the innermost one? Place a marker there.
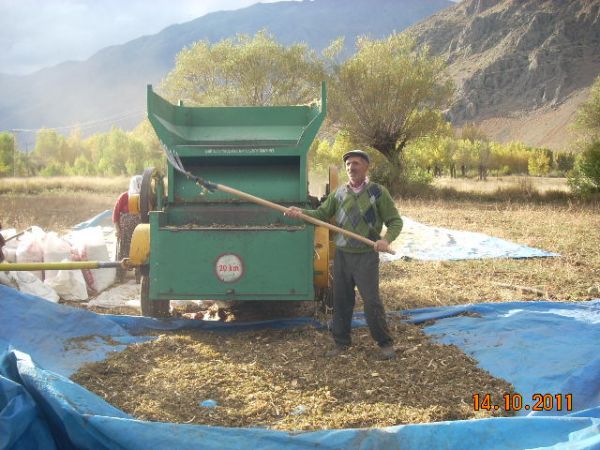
(531, 345)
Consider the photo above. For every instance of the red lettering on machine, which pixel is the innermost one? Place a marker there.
(229, 267)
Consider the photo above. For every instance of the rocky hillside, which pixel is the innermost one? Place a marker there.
(521, 66)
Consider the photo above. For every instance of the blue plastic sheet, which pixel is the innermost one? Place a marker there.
(428, 243)
(100, 219)
(537, 346)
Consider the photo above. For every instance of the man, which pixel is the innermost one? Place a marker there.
(361, 207)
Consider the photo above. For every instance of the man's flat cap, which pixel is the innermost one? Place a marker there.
(358, 153)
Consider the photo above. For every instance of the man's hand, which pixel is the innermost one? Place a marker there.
(293, 211)
(381, 245)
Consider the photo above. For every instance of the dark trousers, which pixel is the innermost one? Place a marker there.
(359, 270)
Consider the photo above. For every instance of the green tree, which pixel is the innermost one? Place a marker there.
(511, 158)
(83, 166)
(540, 162)
(588, 114)
(244, 71)
(565, 161)
(7, 154)
(153, 154)
(389, 93)
(483, 153)
(585, 178)
(464, 156)
(51, 149)
(74, 146)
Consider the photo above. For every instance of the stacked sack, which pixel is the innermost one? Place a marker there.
(70, 285)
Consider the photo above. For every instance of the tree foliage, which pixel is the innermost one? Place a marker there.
(7, 154)
(388, 94)
(116, 152)
(585, 176)
(540, 162)
(588, 115)
(244, 71)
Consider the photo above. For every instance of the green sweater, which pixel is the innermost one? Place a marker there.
(363, 213)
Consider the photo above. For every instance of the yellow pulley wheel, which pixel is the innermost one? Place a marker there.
(139, 250)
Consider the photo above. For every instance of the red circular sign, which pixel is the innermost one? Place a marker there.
(229, 267)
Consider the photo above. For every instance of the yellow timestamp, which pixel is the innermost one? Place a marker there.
(515, 402)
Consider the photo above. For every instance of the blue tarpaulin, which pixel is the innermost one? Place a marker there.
(428, 243)
(540, 347)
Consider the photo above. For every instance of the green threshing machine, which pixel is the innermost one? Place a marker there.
(200, 240)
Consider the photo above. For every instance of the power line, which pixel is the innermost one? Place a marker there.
(85, 125)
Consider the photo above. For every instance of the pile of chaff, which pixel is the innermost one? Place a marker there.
(281, 379)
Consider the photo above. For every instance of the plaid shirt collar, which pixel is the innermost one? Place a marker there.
(359, 188)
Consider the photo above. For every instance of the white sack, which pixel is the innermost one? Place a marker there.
(69, 285)
(30, 249)
(30, 284)
(7, 280)
(89, 245)
(55, 250)
(10, 248)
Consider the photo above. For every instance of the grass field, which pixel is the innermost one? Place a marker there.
(511, 183)
(561, 225)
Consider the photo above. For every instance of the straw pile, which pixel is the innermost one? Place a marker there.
(280, 379)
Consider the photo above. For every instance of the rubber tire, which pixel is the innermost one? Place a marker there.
(147, 199)
(152, 308)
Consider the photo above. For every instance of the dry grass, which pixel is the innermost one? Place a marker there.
(56, 211)
(40, 185)
(494, 184)
(567, 229)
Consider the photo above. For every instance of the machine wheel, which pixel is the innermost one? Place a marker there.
(147, 194)
(151, 308)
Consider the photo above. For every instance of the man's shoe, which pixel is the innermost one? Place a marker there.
(335, 351)
(387, 352)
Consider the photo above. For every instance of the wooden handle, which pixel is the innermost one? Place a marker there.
(283, 209)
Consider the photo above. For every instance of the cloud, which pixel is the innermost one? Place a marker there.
(38, 33)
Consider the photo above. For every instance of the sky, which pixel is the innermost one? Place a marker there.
(41, 33)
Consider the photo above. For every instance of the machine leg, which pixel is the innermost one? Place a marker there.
(324, 299)
(151, 308)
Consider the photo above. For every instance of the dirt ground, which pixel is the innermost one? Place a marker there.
(281, 379)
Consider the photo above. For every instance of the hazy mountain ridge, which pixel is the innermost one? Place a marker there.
(112, 83)
(516, 61)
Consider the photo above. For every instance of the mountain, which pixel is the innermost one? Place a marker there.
(521, 67)
(110, 87)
